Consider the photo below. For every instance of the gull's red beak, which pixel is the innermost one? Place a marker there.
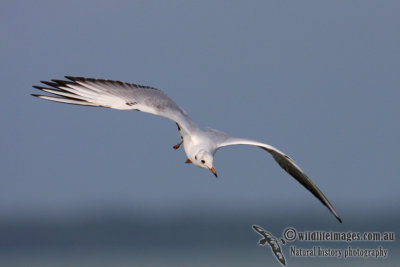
(213, 171)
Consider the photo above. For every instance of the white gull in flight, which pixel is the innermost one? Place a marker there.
(200, 146)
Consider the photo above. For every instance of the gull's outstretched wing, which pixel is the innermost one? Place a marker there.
(285, 162)
(116, 95)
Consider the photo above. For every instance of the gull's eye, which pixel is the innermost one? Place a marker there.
(203, 161)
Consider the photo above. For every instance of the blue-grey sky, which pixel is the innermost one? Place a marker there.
(317, 79)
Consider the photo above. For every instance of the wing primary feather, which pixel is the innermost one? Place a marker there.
(65, 100)
(285, 162)
(52, 84)
(302, 178)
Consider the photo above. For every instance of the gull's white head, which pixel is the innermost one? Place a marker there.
(204, 159)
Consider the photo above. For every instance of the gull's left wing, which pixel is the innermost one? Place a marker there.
(284, 161)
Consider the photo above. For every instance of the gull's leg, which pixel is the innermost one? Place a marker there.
(178, 145)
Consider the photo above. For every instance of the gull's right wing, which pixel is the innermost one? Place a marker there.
(116, 95)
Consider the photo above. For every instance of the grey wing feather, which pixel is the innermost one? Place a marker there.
(116, 95)
(286, 163)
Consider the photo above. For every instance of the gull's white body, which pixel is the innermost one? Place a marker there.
(200, 146)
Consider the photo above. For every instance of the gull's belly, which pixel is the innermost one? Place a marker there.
(189, 147)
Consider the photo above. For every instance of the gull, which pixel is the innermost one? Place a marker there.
(200, 145)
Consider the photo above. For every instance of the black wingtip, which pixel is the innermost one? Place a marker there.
(71, 78)
(77, 78)
(60, 82)
(331, 209)
(52, 84)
